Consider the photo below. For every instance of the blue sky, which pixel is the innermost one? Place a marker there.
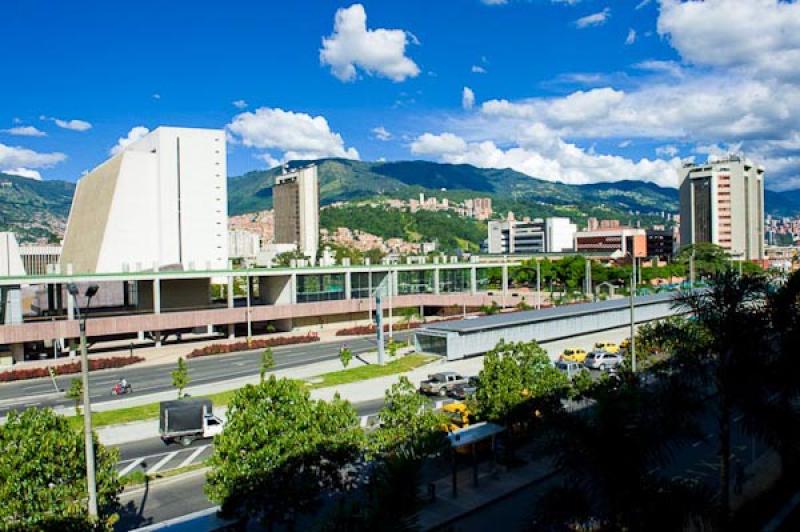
(570, 90)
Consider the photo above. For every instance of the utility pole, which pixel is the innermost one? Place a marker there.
(538, 286)
(91, 481)
(379, 325)
(249, 321)
(633, 319)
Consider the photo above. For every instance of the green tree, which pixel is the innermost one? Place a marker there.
(621, 491)
(732, 313)
(517, 380)
(494, 308)
(280, 451)
(392, 346)
(43, 475)
(581, 385)
(709, 259)
(180, 377)
(75, 392)
(345, 356)
(267, 362)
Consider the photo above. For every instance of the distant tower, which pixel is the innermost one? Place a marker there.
(722, 202)
(295, 198)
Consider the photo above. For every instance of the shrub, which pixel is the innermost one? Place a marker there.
(359, 330)
(69, 368)
(262, 343)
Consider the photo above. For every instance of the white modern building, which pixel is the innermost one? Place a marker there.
(551, 235)
(722, 202)
(295, 198)
(243, 244)
(160, 203)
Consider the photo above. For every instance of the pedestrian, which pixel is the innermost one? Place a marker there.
(738, 483)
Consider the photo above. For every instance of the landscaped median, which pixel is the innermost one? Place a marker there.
(336, 378)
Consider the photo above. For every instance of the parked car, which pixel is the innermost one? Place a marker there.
(570, 369)
(573, 355)
(608, 347)
(466, 390)
(602, 360)
(441, 383)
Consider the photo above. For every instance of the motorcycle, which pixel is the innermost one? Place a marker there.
(118, 389)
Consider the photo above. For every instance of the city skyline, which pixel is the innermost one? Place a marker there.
(599, 92)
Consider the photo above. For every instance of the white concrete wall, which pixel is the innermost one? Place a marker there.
(560, 234)
(10, 260)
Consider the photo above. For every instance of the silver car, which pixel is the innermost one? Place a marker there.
(602, 360)
(570, 369)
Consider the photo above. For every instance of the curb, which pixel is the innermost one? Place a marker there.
(141, 487)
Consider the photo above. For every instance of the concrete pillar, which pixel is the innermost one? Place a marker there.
(473, 280)
(229, 293)
(505, 279)
(157, 307)
(393, 284)
(348, 285)
(294, 288)
(70, 316)
(436, 281)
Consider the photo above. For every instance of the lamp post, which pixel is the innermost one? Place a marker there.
(538, 285)
(633, 320)
(91, 482)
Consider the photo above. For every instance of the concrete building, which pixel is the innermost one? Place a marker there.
(660, 243)
(10, 259)
(243, 244)
(552, 235)
(722, 202)
(40, 259)
(160, 203)
(295, 198)
(612, 241)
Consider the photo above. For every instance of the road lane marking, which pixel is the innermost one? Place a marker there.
(697, 443)
(738, 418)
(162, 463)
(192, 456)
(130, 467)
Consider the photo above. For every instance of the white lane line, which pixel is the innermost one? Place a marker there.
(194, 455)
(738, 418)
(130, 467)
(697, 443)
(161, 463)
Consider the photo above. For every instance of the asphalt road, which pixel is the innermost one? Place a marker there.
(153, 379)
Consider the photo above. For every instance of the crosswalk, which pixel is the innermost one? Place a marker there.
(164, 461)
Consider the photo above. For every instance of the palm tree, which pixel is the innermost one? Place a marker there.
(733, 313)
(609, 452)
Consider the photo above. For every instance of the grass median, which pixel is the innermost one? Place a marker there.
(336, 378)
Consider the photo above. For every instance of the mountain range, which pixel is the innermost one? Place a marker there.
(38, 209)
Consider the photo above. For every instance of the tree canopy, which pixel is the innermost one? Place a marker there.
(280, 451)
(43, 475)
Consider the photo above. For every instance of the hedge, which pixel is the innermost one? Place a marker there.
(261, 343)
(67, 369)
(370, 329)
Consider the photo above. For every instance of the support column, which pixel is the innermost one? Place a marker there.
(70, 316)
(436, 281)
(229, 293)
(157, 307)
(348, 285)
(505, 283)
(473, 280)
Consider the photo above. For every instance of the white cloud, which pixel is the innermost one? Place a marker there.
(380, 52)
(631, 38)
(595, 19)
(757, 36)
(477, 69)
(467, 98)
(494, 2)
(25, 131)
(156, 96)
(668, 150)
(24, 172)
(297, 135)
(19, 159)
(74, 125)
(133, 135)
(239, 104)
(381, 133)
(624, 144)
(541, 153)
(441, 145)
(670, 68)
(642, 4)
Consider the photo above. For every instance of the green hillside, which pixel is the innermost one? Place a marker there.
(34, 209)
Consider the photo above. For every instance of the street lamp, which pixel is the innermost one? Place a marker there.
(87, 413)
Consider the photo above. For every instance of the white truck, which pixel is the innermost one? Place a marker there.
(186, 420)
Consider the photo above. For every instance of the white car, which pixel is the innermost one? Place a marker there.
(602, 360)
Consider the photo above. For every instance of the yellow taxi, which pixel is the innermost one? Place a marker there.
(608, 347)
(574, 355)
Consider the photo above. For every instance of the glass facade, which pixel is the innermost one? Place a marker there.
(324, 287)
(415, 282)
(360, 285)
(454, 280)
(436, 345)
